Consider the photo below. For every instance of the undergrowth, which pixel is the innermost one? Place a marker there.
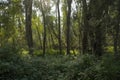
(16, 66)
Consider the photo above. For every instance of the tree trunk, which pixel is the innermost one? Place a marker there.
(28, 9)
(44, 25)
(85, 28)
(68, 25)
(59, 38)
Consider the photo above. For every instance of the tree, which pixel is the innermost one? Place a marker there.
(59, 25)
(85, 28)
(28, 17)
(69, 2)
(44, 24)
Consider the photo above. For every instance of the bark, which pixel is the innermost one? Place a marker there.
(44, 24)
(59, 38)
(85, 28)
(28, 9)
(68, 25)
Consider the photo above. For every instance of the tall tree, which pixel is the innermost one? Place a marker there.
(28, 17)
(44, 36)
(69, 2)
(59, 25)
(85, 27)
(42, 7)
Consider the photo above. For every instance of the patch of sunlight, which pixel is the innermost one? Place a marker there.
(24, 52)
(74, 52)
(110, 49)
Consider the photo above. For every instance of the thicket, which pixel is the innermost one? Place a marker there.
(17, 66)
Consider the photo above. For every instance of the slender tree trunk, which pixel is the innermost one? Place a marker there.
(28, 9)
(85, 28)
(44, 36)
(44, 25)
(59, 25)
(68, 25)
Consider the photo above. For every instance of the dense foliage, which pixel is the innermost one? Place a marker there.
(58, 67)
